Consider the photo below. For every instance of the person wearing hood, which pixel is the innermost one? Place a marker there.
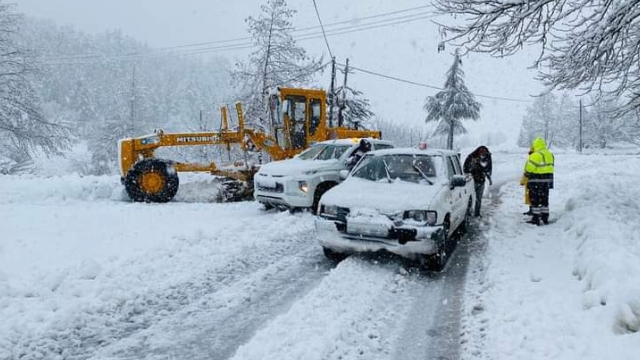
(480, 166)
(539, 173)
(363, 147)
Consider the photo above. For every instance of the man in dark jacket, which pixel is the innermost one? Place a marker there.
(479, 165)
(363, 147)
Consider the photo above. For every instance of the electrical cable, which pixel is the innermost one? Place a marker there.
(73, 59)
(429, 86)
(322, 27)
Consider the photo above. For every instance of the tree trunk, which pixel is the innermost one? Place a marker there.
(450, 137)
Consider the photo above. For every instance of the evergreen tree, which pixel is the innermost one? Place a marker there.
(278, 60)
(452, 104)
(353, 108)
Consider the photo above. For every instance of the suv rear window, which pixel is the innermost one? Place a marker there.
(383, 146)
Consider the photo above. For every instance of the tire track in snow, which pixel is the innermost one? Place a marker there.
(116, 325)
(435, 327)
(218, 323)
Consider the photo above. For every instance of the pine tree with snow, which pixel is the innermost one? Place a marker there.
(278, 60)
(452, 104)
(23, 128)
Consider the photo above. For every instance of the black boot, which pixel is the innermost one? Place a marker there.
(535, 220)
(545, 219)
(528, 213)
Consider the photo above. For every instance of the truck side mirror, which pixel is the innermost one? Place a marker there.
(458, 181)
(344, 174)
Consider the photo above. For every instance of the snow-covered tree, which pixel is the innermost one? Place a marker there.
(105, 96)
(540, 120)
(585, 44)
(353, 108)
(278, 60)
(452, 104)
(557, 119)
(23, 128)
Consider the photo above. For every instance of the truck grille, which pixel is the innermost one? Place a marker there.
(278, 189)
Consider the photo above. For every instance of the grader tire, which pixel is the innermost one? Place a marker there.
(152, 180)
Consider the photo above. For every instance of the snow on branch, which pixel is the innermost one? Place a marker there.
(584, 44)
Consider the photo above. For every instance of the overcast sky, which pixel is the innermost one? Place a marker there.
(407, 50)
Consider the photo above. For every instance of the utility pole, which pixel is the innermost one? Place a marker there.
(332, 90)
(343, 104)
(133, 100)
(580, 134)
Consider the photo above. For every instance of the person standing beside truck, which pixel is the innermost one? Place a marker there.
(539, 171)
(479, 165)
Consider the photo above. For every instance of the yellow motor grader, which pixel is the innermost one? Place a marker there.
(298, 118)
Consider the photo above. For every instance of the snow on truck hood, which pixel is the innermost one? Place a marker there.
(297, 166)
(382, 196)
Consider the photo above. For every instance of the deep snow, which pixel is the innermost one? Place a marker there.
(85, 274)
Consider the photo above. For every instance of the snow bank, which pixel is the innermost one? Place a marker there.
(55, 189)
(601, 213)
(74, 187)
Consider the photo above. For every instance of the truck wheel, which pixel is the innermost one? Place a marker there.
(334, 255)
(320, 190)
(439, 259)
(464, 226)
(152, 180)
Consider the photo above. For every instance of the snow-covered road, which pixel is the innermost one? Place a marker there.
(86, 275)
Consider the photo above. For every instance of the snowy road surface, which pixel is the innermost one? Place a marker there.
(86, 275)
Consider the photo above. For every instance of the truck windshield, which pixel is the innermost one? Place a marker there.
(411, 168)
(324, 152)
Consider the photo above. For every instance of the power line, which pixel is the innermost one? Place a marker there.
(386, 21)
(133, 56)
(322, 27)
(430, 86)
(246, 38)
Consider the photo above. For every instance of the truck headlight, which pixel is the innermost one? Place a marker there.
(422, 216)
(302, 185)
(329, 210)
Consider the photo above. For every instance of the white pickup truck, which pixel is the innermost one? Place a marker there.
(301, 181)
(405, 201)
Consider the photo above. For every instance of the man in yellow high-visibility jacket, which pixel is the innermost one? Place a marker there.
(539, 173)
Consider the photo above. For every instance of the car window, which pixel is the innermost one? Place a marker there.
(379, 146)
(311, 152)
(405, 167)
(332, 152)
(450, 168)
(456, 164)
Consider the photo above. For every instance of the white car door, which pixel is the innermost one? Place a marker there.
(457, 194)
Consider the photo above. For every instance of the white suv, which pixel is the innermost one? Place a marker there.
(301, 181)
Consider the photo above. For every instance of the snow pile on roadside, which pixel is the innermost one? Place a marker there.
(58, 189)
(28, 188)
(602, 214)
(567, 290)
